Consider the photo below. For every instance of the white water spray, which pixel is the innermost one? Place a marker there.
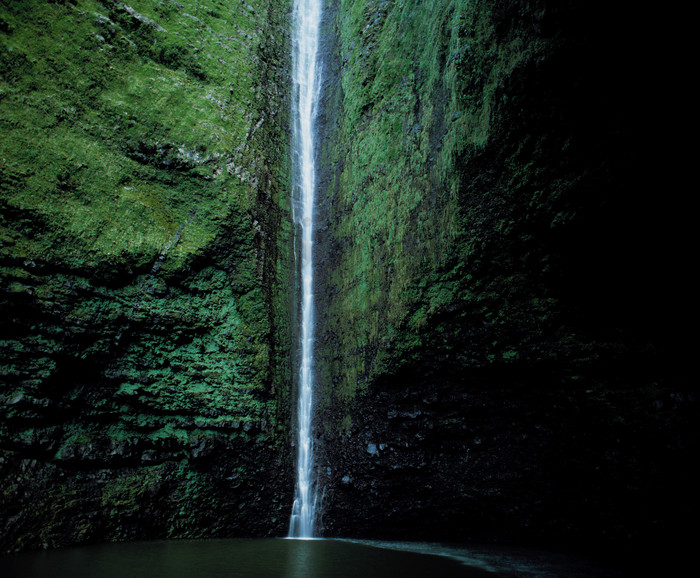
(306, 73)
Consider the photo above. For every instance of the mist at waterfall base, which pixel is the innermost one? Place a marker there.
(290, 558)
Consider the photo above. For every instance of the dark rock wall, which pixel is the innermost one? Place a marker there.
(504, 257)
(505, 269)
(146, 266)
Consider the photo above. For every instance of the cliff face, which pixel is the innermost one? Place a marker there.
(500, 283)
(145, 266)
(503, 257)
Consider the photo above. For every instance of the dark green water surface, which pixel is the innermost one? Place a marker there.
(282, 558)
(277, 558)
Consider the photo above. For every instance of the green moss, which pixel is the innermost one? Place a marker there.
(100, 105)
(145, 258)
(433, 249)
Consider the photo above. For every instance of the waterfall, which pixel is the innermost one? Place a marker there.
(306, 73)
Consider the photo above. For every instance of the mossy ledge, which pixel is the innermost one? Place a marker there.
(145, 267)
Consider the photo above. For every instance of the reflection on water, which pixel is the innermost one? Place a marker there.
(267, 558)
(299, 559)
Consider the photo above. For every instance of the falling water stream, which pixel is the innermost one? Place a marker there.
(306, 73)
